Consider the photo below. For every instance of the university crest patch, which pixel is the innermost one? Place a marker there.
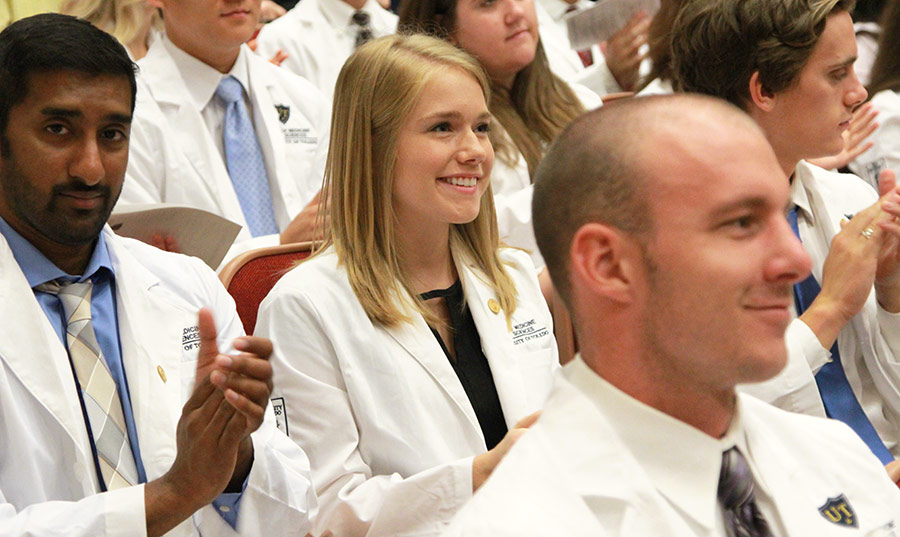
(838, 511)
(284, 112)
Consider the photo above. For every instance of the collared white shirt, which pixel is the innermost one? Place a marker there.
(681, 461)
(202, 80)
(319, 35)
(817, 245)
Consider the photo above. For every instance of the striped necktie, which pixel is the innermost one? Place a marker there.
(742, 516)
(98, 389)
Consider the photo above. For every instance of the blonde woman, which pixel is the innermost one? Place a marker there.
(129, 21)
(411, 349)
(531, 103)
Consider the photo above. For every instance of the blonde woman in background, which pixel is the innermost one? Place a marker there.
(129, 21)
(411, 350)
(531, 103)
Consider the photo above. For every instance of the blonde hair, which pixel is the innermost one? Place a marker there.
(532, 112)
(123, 19)
(377, 88)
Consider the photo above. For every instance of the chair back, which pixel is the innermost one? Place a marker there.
(251, 275)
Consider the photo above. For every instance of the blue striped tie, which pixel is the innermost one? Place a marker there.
(244, 160)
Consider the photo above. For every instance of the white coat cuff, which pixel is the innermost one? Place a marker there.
(125, 512)
(889, 324)
(801, 338)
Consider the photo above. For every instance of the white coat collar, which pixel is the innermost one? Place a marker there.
(339, 15)
(681, 462)
(200, 79)
(149, 331)
(799, 186)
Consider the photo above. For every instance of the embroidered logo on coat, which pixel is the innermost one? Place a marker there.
(280, 414)
(284, 112)
(838, 511)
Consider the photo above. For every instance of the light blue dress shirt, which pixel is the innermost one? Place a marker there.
(38, 269)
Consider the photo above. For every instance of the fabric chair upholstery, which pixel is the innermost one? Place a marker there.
(250, 276)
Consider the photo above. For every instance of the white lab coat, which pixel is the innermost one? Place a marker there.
(873, 334)
(513, 191)
(173, 158)
(316, 44)
(564, 60)
(574, 474)
(380, 411)
(885, 154)
(48, 485)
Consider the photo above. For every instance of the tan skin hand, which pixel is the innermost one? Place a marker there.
(862, 125)
(893, 470)
(851, 267)
(483, 465)
(165, 242)
(214, 450)
(306, 225)
(623, 50)
(887, 275)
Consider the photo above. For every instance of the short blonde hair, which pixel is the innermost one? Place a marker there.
(123, 19)
(377, 88)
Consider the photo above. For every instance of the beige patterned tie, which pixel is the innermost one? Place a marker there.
(101, 398)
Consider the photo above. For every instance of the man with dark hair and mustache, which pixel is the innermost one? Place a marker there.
(118, 413)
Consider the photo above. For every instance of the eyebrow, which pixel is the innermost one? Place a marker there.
(743, 203)
(841, 65)
(69, 113)
(455, 115)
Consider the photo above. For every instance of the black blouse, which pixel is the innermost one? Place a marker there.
(471, 365)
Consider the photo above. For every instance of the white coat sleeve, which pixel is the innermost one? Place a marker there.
(110, 514)
(318, 415)
(794, 389)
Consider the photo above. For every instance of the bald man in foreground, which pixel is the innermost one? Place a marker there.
(662, 220)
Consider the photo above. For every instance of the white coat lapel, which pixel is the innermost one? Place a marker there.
(35, 354)
(496, 342)
(271, 138)
(150, 330)
(186, 125)
(416, 338)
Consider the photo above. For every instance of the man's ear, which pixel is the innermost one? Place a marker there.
(761, 97)
(606, 260)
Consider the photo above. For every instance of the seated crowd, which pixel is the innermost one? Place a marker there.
(706, 199)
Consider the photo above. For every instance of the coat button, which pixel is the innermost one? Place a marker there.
(162, 372)
(494, 306)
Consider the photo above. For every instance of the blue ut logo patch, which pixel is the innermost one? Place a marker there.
(838, 510)
(284, 112)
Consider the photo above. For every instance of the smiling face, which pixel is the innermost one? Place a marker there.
(502, 34)
(720, 263)
(64, 158)
(807, 119)
(444, 157)
(210, 30)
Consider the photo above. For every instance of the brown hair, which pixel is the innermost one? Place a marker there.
(658, 38)
(717, 45)
(886, 69)
(532, 112)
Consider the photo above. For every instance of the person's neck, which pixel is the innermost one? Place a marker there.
(425, 255)
(71, 258)
(138, 47)
(706, 409)
(221, 59)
